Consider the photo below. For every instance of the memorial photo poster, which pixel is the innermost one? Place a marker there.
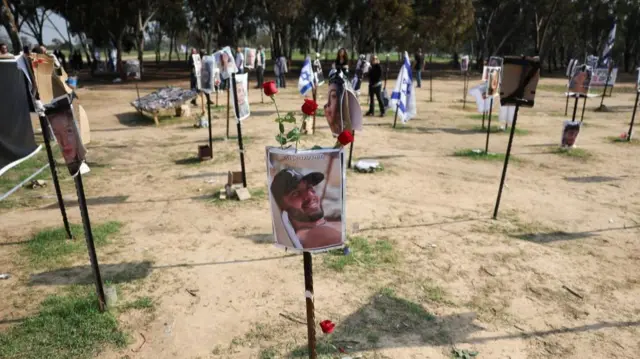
(570, 132)
(342, 109)
(60, 116)
(495, 61)
(592, 61)
(17, 141)
(207, 74)
(243, 96)
(226, 62)
(599, 77)
(132, 69)
(306, 194)
(520, 78)
(197, 70)
(249, 57)
(464, 63)
(479, 94)
(580, 81)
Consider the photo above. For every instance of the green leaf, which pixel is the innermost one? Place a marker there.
(281, 139)
(281, 127)
(289, 118)
(294, 134)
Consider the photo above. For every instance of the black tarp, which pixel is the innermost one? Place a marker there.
(16, 133)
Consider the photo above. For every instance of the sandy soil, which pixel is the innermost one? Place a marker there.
(563, 221)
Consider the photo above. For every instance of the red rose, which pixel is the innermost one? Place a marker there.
(269, 88)
(345, 138)
(309, 107)
(327, 326)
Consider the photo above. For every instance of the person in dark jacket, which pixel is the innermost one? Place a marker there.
(375, 87)
(418, 66)
(342, 62)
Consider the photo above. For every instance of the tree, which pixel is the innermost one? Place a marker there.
(9, 22)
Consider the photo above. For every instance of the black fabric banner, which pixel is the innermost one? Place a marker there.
(16, 132)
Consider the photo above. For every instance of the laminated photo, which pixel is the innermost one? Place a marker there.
(570, 132)
(464, 63)
(306, 194)
(580, 81)
(342, 109)
(197, 70)
(479, 94)
(243, 111)
(132, 69)
(520, 78)
(249, 57)
(493, 81)
(60, 116)
(600, 76)
(207, 74)
(226, 62)
(495, 61)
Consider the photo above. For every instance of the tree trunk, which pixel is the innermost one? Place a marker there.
(85, 48)
(10, 25)
(171, 40)
(120, 68)
(69, 39)
(140, 45)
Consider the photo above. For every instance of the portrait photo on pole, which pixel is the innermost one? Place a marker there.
(520, 76)
(249, 57)
(17, 141)
(132, 69)
(197, 70)
(60, 116)
(342, 109)
(493, 81)
(464, 63)
(226, 62)
(306, 192)
(580, 80)
(207, 74)
(570, 132)
(243, 96)
(495, 61)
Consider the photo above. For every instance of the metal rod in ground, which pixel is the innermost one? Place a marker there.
(575, 109)
(566, 106)
(228, 110)
(239, 125)
(353, 133)
(483, 116)
(395, 117)
(315, 99)
(209, 118)
(464, 95)
(138, 91)
(604, 93)
(88, 235)
(584, 106)
(633, 117)
(486, 146)
(506, 162)
(46, 134)
(430, 77)
(311, 316)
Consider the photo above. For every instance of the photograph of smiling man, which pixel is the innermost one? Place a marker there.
(306, 191)
(60, 116)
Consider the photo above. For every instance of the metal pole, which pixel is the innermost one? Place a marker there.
(395, 117)
(506, 162)
(311, 317)
(93, 258)
(228, 110)
(566, 106)
(633, 116)
(584, 106)
(44, 125)
(239, 125)
(486, 146)
(209, 117)
(353, 133)
(315, 96)
(483, 115)
(464, 95)
(604, 93)
(575, 109)
(430, 77)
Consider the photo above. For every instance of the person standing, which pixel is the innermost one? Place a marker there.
(317, 65)
(342, 62)
(240, 60)
(375, 87)
(418, 66)
(280, 69)
(260, 65)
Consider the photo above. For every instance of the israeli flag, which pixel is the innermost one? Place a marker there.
(305, 83)
(403, 97)
(608, 47)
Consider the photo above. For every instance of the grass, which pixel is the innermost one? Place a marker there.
(25, 169)
(481, 155)
(578, 153)
(433, 293)
(143, 303)
(364, 253)
(51, 248)
(67, 327)
(257, 195)
(614, 139)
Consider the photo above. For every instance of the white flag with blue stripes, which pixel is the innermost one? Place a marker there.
(305, 83)
(403, 96)
(608, 46)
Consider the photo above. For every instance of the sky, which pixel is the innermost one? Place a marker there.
(49, 32)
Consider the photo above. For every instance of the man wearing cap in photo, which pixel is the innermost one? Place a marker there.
(295, 194)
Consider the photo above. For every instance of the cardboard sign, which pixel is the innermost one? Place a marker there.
(243, 97)
(519, 81)
(306, 193)
(599, 77)
(85, 131)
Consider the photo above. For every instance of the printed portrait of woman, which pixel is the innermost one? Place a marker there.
(494, 82)
(342, 109)
(64, 128)
(580, 81)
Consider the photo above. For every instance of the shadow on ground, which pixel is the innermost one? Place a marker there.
(83, 275)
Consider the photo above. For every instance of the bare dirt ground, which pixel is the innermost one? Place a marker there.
(443, 276)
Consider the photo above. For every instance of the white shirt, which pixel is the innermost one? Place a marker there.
(240, 60)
